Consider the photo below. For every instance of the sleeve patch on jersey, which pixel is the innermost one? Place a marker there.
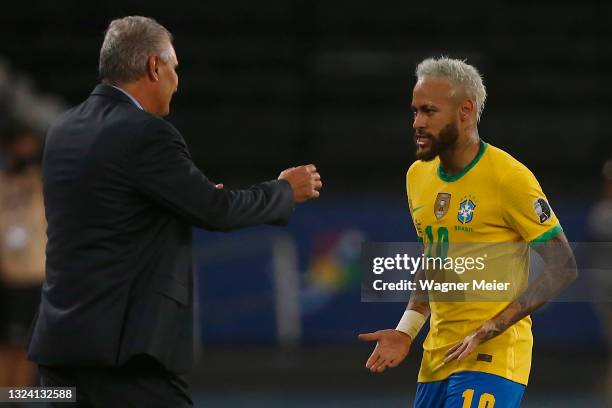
(542, 210)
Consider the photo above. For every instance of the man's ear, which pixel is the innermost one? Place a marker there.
(466, 109)
(152, 66)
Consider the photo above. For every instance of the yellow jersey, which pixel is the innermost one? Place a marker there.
(495, 199)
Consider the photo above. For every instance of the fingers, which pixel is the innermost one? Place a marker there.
(315, 179)
(304, 180)
(471, 346)
(317, 184)
(368, 336)
(456, 352)
(315, 176)
(379, 366)
(375, 356)
(452, 349)
(467, 346)
(372, 360)
(376, 363)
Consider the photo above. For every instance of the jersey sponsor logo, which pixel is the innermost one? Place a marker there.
(441, 205)
(542, 210)
(466, 211)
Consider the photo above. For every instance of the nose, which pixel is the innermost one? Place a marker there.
(419, 121)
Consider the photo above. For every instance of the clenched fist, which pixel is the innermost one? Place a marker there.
(304, 180)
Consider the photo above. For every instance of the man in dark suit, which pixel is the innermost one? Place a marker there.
(121, 196)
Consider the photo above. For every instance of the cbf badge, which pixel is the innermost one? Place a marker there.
(466, 210)
(441, 205)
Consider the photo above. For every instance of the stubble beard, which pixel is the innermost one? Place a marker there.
(446, 138)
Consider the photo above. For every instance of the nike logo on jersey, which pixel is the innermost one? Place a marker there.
(417, 208)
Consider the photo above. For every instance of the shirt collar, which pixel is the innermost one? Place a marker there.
(129, 96)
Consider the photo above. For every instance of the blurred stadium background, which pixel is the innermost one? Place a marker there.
(265, 85)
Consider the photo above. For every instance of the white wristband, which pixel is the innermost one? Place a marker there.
(411, 323)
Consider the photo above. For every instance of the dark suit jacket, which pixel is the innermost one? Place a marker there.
(121, 196)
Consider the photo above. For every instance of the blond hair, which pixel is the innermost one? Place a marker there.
(459, 74)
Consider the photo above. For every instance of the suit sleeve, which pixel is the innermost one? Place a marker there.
(526, 208)
(164, 171)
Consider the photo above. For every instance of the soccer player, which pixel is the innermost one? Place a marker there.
(461, 189)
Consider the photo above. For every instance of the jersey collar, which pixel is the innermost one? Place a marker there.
(449, 178)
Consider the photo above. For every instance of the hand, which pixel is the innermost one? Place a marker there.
(304, 180)
(219, 186)
(392, 347)
(466, 347)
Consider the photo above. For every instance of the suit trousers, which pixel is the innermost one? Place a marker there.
(141, 382)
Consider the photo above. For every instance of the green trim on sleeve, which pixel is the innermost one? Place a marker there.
(449, 178)
(419, 239)
(548, 235)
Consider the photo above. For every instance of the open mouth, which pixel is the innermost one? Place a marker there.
(423, 141)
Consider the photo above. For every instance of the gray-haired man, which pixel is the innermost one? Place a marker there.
(121, 197)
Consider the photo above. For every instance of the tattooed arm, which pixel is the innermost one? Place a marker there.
(419, 298)
(559, 272)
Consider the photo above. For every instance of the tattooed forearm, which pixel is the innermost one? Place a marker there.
(559, 272)
(419, 298)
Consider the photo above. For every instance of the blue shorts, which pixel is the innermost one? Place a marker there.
(470, 389)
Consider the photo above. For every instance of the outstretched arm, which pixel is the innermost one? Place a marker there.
(393, 345)
(161, 168)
